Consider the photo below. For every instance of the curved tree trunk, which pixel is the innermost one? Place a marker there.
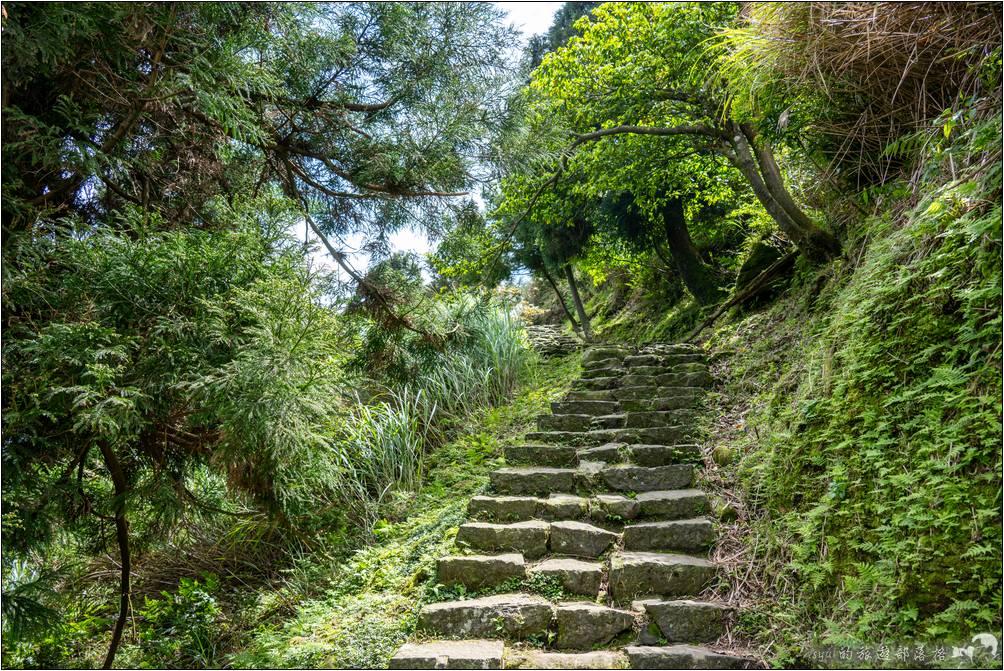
(587, 332)
(561, 299)
(697, 275)
(813, 241)
(122, 534)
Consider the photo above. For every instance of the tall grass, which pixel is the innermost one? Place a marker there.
(381, 445)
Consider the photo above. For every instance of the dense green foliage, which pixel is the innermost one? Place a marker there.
(216, 453)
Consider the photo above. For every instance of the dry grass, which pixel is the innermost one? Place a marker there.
(884, 69)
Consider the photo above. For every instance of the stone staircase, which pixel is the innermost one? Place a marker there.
(599, 507)
(551, 340)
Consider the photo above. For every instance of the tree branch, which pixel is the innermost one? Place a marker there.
(699, 129)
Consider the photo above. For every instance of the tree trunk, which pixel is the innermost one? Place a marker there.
(775, 185)
(696, 274)
(122, 533)
(587, 332)
(561, 299)
(815, 243)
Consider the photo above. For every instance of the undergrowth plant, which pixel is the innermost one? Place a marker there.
(872, 438)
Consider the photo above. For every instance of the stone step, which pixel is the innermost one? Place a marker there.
(592, 476)
(480, 571)
(504, 508)
(684, 404)
(685, 621)
(609, 362)
(533, 538)
(508, 615)
(660, 435)
(649, 393)
(606, 371)
(689, 535)
(600, 353)
(670, 348)
(672, 504)
(580, 539)
(635, 360)
(615, 421)
(469, 654)
(661, 455)
(597, 383)
(637, 574)
(564, 422)
(582, 625)
(656, 435)
(661, 378)
(594, 408)
(682, 657)
(659, 504)
(654, 418)
(575, 438)
(523, 508)
(576, 576)
(556, 456)
(537, 659)
(528, 538)
(686, 379)
(589, 395)
(629, 478)
(641, 454)
(533, 480)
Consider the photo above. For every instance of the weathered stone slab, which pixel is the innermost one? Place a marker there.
(577, 576)
(532, 480)
(541, 455)
(580, 539)
(502, 508)
(604, 371)
(662, 435)
(470, 654)
(635, 393)
(609, 362)
(626, 478)
(685, 401)
(662, 455)
(564, 422)
(636, 380)
(608, 452)
(528, 538)
(597, 659)
(594, 408)
(649, 419)
(480, 571)
(688, 621)
(634, 574)
(681, 535)
(673, 504)
(588, 395)
(598, 383)
(608, 422)
(575, 438)
(583, 625)
(563, 507)
(681, 657)
(510, 615)
(696, 379)
(613, 507)
(601, 353)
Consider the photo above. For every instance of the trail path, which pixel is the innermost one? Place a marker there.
(601, 502)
